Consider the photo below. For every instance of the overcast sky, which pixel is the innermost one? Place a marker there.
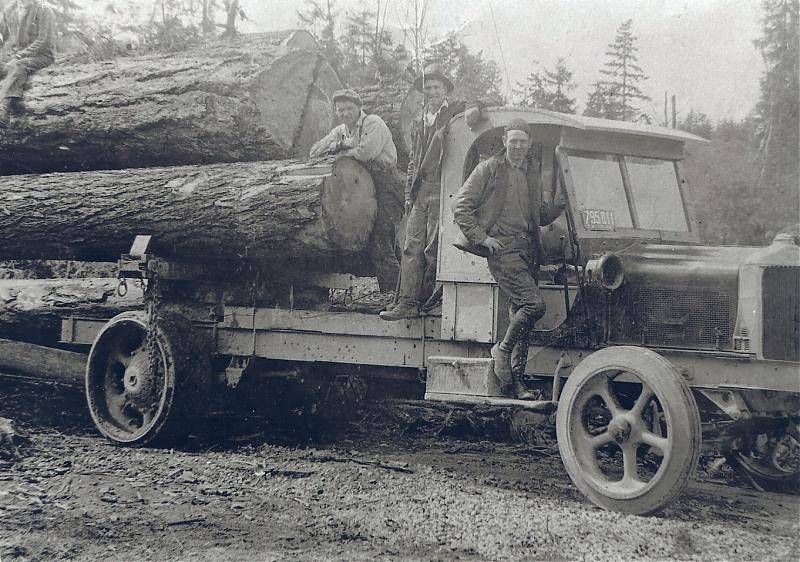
(702, 51)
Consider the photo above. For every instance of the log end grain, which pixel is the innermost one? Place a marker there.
(349, 205)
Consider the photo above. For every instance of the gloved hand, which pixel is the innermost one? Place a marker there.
(408, 205)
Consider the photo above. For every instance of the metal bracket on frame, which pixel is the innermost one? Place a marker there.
(729, 401)
(236, 369)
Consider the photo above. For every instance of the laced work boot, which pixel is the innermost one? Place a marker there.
(501, 352)
(402, 311)
(519, 359)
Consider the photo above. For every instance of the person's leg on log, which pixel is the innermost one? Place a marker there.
(16, 73)
(512, 268)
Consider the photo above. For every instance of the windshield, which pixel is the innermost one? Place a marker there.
(655, 193)
(651, 199)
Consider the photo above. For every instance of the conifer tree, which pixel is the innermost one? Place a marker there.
(548, 89)
(776, 113)
(615, 96)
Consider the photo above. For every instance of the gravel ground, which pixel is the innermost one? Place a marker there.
(371, 493)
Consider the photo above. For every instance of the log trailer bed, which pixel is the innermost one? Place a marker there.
(652, 344)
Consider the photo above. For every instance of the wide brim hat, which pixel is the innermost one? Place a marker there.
(433, 72)
(347, 95)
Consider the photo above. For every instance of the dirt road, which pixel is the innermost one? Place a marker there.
(250, 492)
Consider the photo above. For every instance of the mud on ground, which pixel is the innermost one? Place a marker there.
(250, 490)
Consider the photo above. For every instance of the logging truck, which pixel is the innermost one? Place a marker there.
(653, 345)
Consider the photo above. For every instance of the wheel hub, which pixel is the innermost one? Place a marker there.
(621, 430)
(140, 380)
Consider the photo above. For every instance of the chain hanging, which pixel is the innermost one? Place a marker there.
(153, 299)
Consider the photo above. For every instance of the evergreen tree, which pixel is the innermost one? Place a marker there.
(777, 111)
(697, 123)
(548, 89)
(614, 97)
(474, 77)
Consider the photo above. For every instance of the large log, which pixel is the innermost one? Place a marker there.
(257, 97)
(31, 309)
(286, 212)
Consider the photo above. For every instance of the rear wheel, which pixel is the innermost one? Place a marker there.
(773, 459)
(142, 389)
(628, 430)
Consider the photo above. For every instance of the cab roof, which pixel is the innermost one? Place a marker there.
(543, 117)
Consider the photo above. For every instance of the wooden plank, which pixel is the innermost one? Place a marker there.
(325, 322)
(44, 363)
(540, 406)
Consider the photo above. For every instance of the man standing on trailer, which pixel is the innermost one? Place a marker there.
(418, 290)
(26, 45)
(367, 139)
(500, 209)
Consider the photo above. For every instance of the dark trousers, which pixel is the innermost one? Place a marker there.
(418, 279)
(15, 73)
(515, 270)
(382, 246)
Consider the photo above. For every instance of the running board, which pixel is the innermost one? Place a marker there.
(471, 380)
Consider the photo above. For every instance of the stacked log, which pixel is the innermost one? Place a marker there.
(286, 212)
(31, 309)
(257, 97)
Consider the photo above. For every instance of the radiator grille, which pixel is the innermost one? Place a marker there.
(675, 317)
(781, 309)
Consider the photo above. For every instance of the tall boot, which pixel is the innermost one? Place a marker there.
(501, 352)
(519, 359)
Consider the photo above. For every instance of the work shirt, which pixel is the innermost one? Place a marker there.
(430, 116)
(370, 141)
(27, 31)
(513, 219)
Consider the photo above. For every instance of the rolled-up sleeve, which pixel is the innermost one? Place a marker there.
(468, 200)
(327, 142)
(373, 144)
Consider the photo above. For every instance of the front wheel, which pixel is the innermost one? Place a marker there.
(628, 430)
(144, 389)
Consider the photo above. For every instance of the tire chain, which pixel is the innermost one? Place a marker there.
(153, 299)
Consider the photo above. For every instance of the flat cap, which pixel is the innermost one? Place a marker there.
(349, 95)
(517, 124)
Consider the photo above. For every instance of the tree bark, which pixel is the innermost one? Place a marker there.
(255, 97)
(31, 309)
(287, 212)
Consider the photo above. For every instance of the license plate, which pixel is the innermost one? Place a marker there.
(598, 219)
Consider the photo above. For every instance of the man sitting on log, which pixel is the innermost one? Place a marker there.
(368, 139)
(500, 209)
(27, 30)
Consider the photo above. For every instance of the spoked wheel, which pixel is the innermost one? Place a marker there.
(773, 461)
(146, 390)
(628, 430)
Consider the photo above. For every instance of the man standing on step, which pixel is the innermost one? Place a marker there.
(367, 139)
(27, 45)
(500, 209)
(418, 292)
